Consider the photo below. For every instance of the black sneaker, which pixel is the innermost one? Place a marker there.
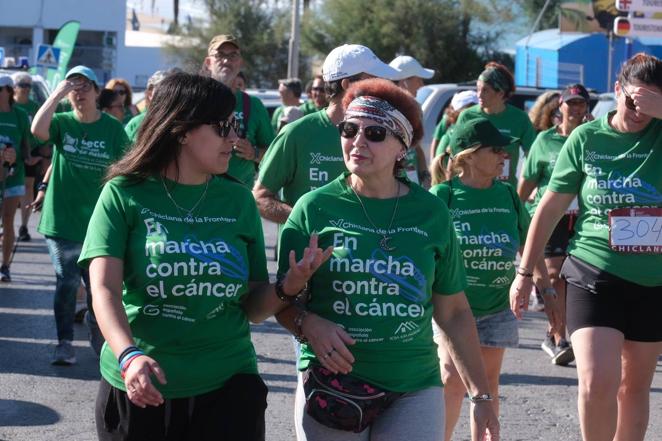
(564, 354)
(549, 346)
(4, 274)
(23, 235)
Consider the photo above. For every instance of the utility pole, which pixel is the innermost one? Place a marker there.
(293, 58)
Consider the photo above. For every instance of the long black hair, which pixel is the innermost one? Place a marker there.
(181, 103)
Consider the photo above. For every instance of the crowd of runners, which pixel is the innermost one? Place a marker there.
(401, 278)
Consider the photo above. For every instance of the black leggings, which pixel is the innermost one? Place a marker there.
(234, 412)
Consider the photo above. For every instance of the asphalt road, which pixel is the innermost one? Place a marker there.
(43, 402)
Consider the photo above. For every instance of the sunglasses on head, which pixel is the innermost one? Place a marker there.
(223, 127)
(629, 102)
(372, 133)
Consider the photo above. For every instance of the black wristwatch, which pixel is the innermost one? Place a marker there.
(42, 186)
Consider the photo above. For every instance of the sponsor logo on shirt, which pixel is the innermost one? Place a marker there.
(406, 327)
(503, 280)
(347, 225)
(595, 156)
(318, 158)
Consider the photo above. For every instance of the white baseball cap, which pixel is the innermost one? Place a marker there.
(410, 67)
(352, 59)
(5, 80)
(464, 98)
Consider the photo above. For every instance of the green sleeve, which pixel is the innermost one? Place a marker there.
(294, 235)
(275, 118)
(529, 134)
(442, 191)
(264, 133)
(449, 277)
(440, 129)
(108, 230)
(257, 259)
(278, 166)
(443, 143)
(568, 172)
(532, 170)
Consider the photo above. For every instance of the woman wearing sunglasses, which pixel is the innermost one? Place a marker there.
(368, 361)
(614, 282)
(491, 225)
(494, 87)
(86, 142)
(177, 266)
(122, 87)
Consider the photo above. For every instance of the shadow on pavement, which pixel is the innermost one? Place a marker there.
(24, 413)
(540, 380)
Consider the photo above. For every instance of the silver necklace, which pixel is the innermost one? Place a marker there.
(186, 214)
(384, 242)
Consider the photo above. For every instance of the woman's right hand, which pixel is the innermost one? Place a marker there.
(7, 156)
(520, 291)
(63, 88)
(139, 387)
(329, 342)
(38, 201)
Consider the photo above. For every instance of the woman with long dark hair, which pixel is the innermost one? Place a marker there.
(177, 268)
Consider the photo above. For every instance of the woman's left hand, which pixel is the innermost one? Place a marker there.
(300, 272)
(520, 291)
(485, 425)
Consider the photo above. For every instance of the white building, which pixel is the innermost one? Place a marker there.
(103, 41)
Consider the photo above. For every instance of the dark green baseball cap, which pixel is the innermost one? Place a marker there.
(477, 132)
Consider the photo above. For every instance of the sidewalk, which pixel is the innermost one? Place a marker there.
(43, 402)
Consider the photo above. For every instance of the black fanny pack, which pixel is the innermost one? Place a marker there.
(343, 402)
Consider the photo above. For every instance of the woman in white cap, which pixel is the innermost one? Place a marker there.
(441, 154)
(14, 133)
(369, 368)
(86, 141)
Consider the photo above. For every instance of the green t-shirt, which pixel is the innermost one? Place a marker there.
(275, 118)
(608, 170)
(184, 283)
(82, 153)
(491, 225)
(128, 114)
(410, 170)
(445, 141)
(131, 128)
(31, 108)
(441, 128)
(383, 299)
(259, 133)
(511, 122)
(305, 155)
(540, 162)
(14, 129)
(308, 107)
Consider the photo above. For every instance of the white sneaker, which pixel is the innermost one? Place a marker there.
(64, 354)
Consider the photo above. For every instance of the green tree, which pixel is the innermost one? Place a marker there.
(532, 8)
(259, 27)
(438, 33)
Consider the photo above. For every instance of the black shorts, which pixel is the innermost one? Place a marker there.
(233, 412)
(558, 242)
(595, 298)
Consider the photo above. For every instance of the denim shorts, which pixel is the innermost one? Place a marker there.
(15, 191)
(498, 330)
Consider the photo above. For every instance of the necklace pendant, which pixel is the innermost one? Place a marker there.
(385, 245)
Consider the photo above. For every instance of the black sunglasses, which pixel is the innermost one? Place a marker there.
(317, 89)
(372, 133)
(24, 85)
(223, 127)
(629, 102)
(496, 149)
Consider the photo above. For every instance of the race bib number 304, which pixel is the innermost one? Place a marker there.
(636, 230)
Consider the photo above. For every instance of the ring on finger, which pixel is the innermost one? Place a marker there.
(328, 354)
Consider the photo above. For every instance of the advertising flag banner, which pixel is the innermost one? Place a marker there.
(65, 40)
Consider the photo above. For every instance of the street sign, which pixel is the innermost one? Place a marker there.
(639, 5)
(2, 56)
(637, 27)
(48, 56)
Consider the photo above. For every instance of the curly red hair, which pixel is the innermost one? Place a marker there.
(394, 95)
